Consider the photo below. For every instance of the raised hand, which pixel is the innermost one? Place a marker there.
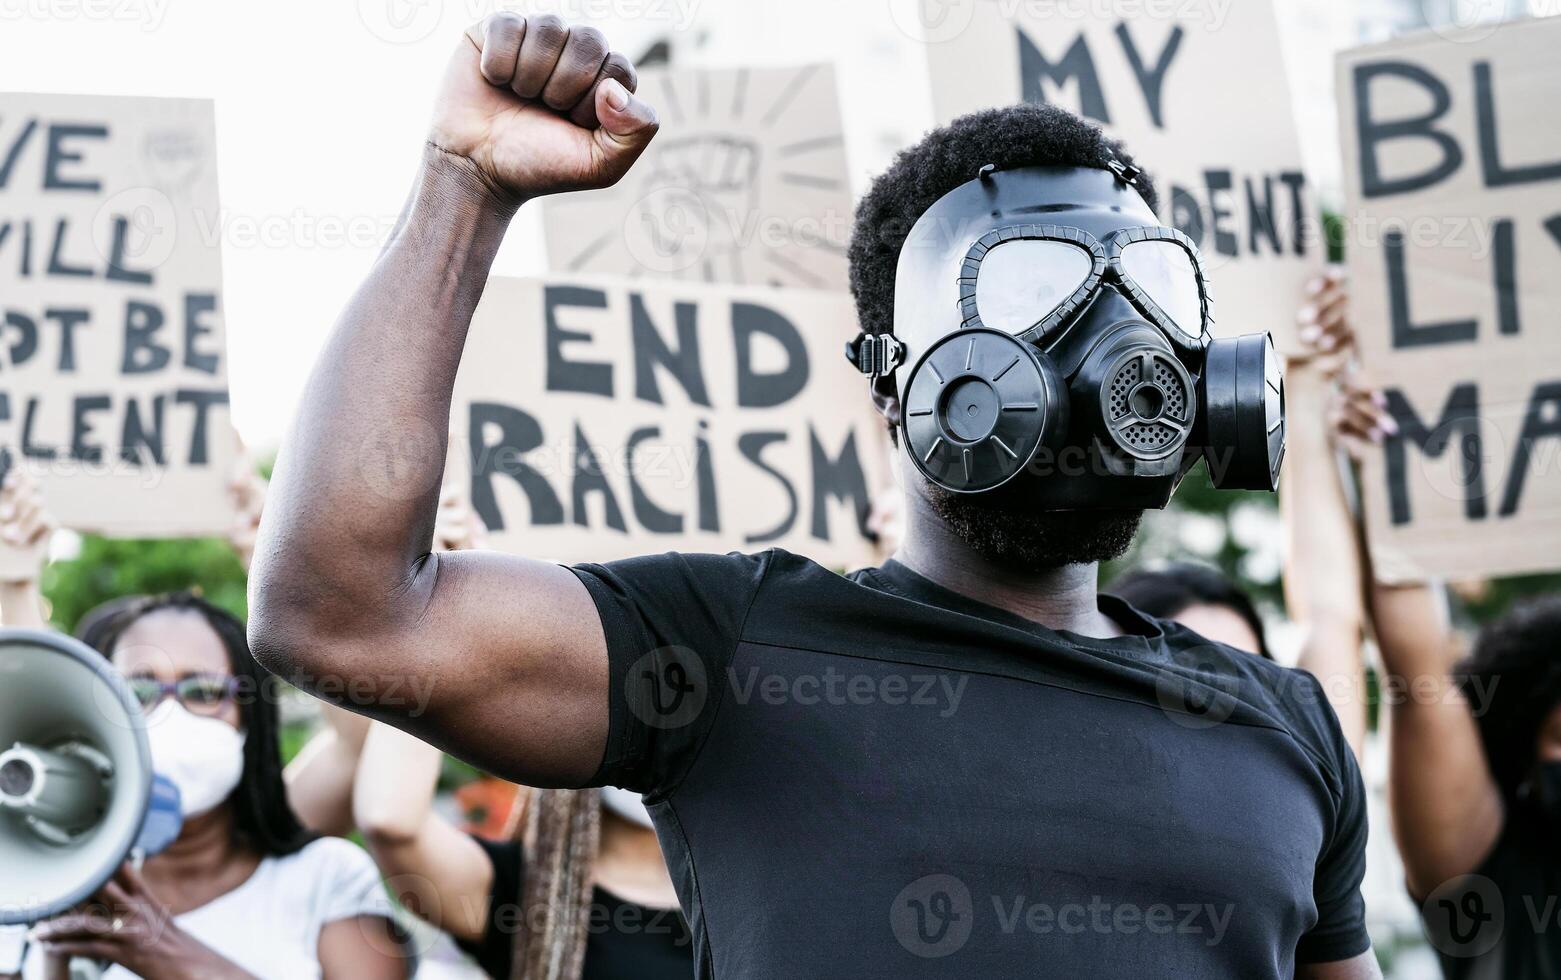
(1359, 415)
(535, 106)
(1323, 321)
(457, 526)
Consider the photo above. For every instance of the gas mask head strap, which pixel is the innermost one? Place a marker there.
(1127, 173)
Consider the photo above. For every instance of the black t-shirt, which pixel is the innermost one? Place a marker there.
(1504, 920)
(624, 941)
(875, 777)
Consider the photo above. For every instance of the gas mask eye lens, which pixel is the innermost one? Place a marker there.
(1164, 271)
(1021, 281)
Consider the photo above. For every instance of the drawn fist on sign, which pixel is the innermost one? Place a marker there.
(534, 106)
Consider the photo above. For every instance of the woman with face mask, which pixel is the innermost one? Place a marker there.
(244, 891)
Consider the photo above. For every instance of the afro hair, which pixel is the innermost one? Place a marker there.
(1514, 664)
(1029, 135)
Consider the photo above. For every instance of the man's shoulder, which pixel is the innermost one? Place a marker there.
(1290, 698)
(772, 566)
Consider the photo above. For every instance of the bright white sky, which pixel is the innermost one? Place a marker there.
(321, 108)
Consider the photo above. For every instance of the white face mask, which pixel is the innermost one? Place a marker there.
(626, 804)
(204, 757)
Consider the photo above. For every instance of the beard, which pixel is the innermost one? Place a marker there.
(1012, 534)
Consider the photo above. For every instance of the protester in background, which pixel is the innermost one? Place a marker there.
(1475, 761)
(1474, 748)
(244, 890)
(1200, 598)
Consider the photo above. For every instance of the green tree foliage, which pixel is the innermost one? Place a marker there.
(106, 569)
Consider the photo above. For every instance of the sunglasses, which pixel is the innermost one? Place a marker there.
(197, 693)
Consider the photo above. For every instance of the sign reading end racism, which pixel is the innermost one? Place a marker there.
(113, 363)
(1453, 180)
(603, 419)
(1201, 100)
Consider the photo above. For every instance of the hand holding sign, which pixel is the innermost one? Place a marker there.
(25, 527)
(536, 107)
(247, 489)
(457, 526)
(1359, 416)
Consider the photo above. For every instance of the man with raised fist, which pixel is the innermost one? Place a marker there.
(962, 763)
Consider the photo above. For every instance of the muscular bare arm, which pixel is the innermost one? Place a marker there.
(508, 653)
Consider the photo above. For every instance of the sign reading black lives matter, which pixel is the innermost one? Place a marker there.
(746, 183)
(1199, 95)
(1453, 181)
(599, 419)
(113, 362)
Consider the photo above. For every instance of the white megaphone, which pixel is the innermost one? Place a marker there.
(76, 782)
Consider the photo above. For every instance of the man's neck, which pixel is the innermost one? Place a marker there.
(1061, 598)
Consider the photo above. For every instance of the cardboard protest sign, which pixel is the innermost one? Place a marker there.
(745, 183)
(1200, 97)
(1453, 181)
(113, 360)
(604, 418)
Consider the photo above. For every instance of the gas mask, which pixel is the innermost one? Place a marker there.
(1052, 338)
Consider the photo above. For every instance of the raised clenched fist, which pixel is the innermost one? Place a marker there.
(536, 107)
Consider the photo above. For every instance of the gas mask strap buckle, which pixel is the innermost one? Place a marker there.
(875, 354)
(1127, 173)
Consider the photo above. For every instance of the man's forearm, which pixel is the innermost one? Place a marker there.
(354, 495)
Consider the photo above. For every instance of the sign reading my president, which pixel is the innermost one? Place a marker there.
(1199, 96)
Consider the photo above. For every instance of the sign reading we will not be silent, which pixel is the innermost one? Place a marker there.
(113, 361)
(1453, 181)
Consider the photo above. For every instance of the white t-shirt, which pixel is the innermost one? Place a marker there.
(270, 925)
